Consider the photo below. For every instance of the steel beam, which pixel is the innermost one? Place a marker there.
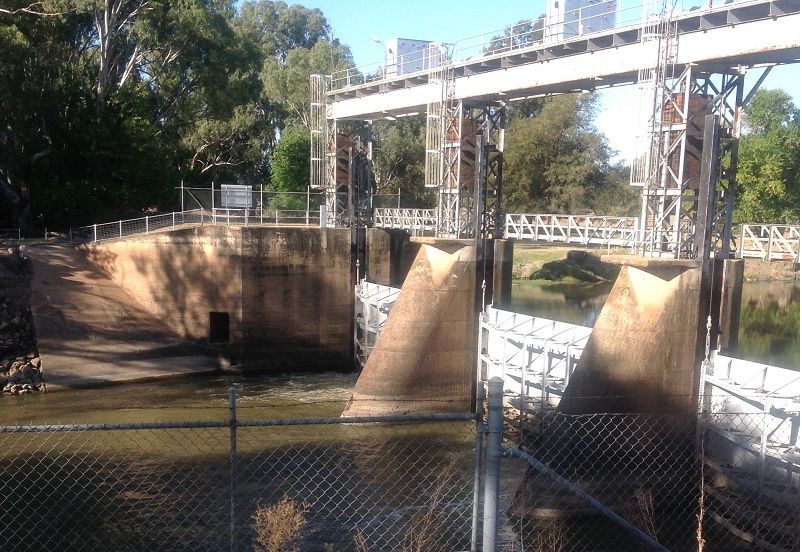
(767, 41)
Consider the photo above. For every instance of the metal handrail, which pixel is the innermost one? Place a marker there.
(484, 45)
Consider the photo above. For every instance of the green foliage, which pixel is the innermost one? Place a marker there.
(768, 160)
(399, 158)
(556, 161)
(289, 164)
(102, 114)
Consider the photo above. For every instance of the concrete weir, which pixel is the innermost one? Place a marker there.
(424, 358)
(270, 298)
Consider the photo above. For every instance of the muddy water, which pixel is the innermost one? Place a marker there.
(769, 330)
(198, 398)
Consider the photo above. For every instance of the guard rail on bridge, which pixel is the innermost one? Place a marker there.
(579, 229)
(770, 242)
(419, 222)
(195, 217)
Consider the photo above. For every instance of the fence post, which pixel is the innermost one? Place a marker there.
(741, 245)
(120, 223)
(173, 219)
(94, 228)
(232, 429)
(477, 466)
(147, 227)
(771, 236)
(495, 428)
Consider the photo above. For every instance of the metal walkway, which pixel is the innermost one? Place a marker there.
(715, 40)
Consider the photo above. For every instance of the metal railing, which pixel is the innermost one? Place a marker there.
(10, 235)
(770, 242)
(579, 229)
(577, 25)
(136, 226)
(196, 217)
(417, 221)
(372, 304)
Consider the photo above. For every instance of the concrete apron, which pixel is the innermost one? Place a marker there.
(91, 333)
(424, 357)
(647, 344)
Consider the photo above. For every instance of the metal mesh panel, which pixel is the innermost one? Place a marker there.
(660, 474)
(405, 486)
(114, 490)
(640, 467)
(382, 486)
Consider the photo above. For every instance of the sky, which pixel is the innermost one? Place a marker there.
(354, 22)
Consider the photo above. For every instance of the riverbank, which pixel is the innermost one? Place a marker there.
(20, 365)
(530, 263)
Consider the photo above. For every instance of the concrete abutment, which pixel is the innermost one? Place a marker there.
(285, 292)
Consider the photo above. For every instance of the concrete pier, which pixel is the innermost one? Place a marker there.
(424, 359)
(648, 342)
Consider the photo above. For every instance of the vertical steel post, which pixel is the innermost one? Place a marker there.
(741, 245)
(232, 429)
(182, 195)
(495, 428)
(771, 236)
(477, 463)
(94, 229)
(147, 229)
(173, 219)
(120, 224)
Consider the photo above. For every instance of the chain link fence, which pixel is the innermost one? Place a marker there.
(546, 481)
(319, 484)
(726, 480)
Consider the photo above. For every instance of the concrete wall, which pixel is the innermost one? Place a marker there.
(390, 255)
(288, 291)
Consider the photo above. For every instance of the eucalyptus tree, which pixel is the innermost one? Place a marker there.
(768, 160)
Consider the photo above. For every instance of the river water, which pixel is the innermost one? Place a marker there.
(769, 333)
(769, 330)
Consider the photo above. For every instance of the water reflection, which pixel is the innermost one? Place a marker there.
(769, 330)
(576, 304)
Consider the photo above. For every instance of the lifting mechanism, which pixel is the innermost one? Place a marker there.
(465, 143)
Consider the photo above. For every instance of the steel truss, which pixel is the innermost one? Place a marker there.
(490, 122)
(672, 188)
(464, 148)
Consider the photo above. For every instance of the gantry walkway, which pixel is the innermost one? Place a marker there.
(719, 39)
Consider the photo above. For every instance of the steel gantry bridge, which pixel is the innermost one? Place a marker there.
(689, 63)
